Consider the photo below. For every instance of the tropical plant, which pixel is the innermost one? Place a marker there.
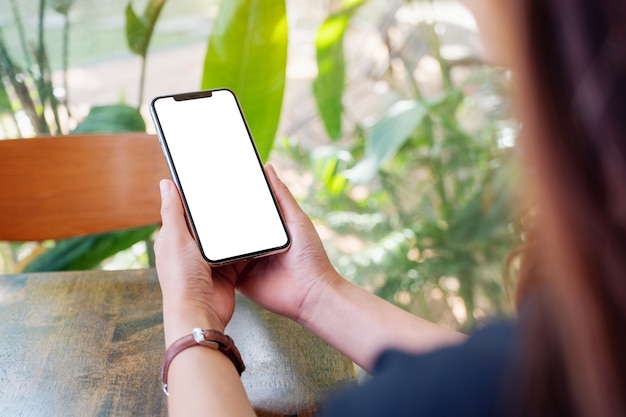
(415, 205)
(418, 202)
(27, 89)
(247, 52)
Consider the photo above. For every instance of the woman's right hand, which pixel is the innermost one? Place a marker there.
(302, 285)
(290, 282)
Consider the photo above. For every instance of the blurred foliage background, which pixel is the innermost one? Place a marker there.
(380, 115)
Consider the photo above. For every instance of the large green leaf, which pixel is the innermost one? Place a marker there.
(328, 86)
(247, 53)
(386, 137)
(87, 252)
(139, 28)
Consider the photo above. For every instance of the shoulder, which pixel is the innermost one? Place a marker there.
(463, 380)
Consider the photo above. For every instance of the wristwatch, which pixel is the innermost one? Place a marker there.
(201, 337)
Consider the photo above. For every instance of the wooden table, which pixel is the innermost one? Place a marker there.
(91, 343)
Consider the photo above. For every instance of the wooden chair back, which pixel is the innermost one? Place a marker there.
(65, 186)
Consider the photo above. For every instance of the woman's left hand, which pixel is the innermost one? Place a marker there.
(194, 294)
(201, 381)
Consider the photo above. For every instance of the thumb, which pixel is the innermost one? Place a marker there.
(288, 204)
(171, 207)
(174, 225)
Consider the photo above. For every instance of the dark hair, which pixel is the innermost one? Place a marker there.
(572, 89)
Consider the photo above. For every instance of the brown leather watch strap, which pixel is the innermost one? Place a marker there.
(200, 337)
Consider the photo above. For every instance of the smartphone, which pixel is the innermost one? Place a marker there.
(230, 207)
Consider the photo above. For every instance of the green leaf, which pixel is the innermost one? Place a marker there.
(139, 28)
(5, 101)
(386, 137)
(113, 118)
(87, 252)
(247, 53)
(327, 162)
(328, 86)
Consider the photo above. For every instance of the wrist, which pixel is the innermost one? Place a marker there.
(205, 338)
(178, 321)
(326, 287)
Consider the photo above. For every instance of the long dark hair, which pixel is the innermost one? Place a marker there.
(572, 89)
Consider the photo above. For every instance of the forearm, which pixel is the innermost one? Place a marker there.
(362, 325)
(201, 381)
(204, 382)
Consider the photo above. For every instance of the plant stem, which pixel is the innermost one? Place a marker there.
(416, 89)
(437, 171)
(65, 63)
(21, 35)
(40, 49)
(150, 252)
(20, 88)
(47, 85)
(436, 49)
(394, 197)
(39, 79)
(142, 80)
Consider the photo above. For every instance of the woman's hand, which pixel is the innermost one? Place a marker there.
(197, 295)
(290, 282)
(194, 294)
(302, 284)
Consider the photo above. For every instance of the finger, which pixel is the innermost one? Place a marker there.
(286, 200)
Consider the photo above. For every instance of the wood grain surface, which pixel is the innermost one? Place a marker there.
(91, 344)
(65, 186)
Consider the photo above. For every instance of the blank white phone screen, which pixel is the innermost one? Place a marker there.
(221, 179)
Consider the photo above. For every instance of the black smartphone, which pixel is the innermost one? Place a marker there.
(231, 209)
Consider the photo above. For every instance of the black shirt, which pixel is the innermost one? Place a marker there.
(476, 378)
